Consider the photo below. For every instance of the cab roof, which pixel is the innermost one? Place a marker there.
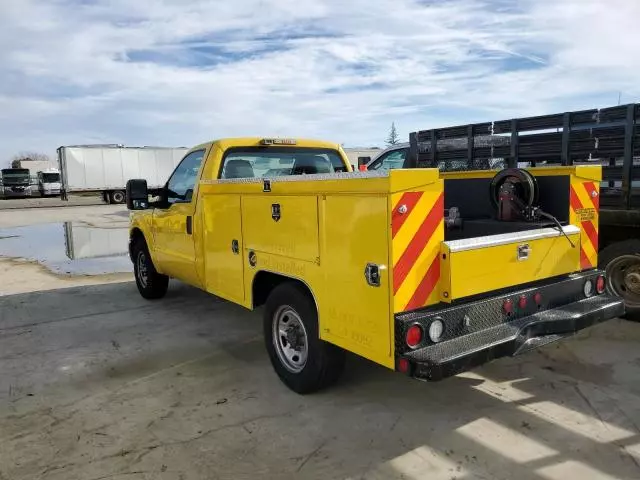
(225, 143)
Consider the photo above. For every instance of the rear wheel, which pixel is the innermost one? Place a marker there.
(303, 361)
(117, 196)
(621, 261)
(150, 283)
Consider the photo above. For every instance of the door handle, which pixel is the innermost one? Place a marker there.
(189, 225)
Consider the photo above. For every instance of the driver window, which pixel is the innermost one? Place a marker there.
(392, 160)
(182, 181)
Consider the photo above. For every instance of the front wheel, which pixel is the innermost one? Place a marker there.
(151, 284)
(303, 361)
(621, 261)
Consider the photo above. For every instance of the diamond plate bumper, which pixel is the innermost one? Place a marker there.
(466, 347)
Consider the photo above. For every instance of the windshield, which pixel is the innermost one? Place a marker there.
(51, 177)
(275, 162)
(15, 176)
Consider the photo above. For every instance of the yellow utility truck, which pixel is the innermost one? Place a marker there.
(425, 272)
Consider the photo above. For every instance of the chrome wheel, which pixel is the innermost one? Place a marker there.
(623, 278)
(141, 269)
(290, 339)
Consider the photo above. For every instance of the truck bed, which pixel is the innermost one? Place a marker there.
(329, 229)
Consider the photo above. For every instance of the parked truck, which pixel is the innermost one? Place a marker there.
(49, 182)
(375, 263)
(609, 137)
(105, 169)
(15, 183)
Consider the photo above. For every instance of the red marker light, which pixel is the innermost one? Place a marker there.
(403, 365)
(522, 302)
(414, 336)
(601, 285)
(507, 306)
(537, 298)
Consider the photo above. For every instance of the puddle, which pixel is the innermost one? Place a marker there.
(69, 248)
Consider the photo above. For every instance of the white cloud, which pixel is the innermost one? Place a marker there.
(180, 72)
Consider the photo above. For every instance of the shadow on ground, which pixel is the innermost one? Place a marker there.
(97, 383)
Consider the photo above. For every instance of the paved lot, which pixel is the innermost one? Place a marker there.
(96, 383)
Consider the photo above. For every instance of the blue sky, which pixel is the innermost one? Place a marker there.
(176, 73)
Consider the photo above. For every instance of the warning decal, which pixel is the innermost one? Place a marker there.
(586, 214)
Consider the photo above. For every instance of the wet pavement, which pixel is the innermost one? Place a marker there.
(69, 248)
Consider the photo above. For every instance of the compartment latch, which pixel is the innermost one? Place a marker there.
(372, 274)
(524, 251)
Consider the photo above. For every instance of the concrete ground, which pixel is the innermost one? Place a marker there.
(97, 383)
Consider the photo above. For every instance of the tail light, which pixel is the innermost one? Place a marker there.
(436, 329)
(601, 285)
(414, 336)
(588, 288)
(403, 365)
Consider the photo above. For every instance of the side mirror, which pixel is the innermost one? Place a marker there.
(137, 194)
(363, 162)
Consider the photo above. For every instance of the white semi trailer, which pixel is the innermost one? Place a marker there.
(105, 169)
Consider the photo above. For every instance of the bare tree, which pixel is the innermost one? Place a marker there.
(39, 157)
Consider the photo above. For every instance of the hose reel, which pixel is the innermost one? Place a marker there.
(514, 195)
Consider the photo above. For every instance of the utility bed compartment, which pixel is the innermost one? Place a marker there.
(481, 264)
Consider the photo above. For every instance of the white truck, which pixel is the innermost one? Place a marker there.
(49, 182)
(105, 169)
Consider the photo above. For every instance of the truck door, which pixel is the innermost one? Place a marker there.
(173, 225)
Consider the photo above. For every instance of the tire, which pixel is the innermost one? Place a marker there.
(621, 261)
(151, 284)
(117, 196)
(290, 304)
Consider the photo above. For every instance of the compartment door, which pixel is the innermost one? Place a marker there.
(282, 225)
(354, 314)
(483, 264)
(222, 246)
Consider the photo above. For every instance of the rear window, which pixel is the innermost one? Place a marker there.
(268, 162)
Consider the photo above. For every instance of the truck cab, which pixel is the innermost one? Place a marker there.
(444, 271)
(16, 182)
(391, 158)
(49, 182)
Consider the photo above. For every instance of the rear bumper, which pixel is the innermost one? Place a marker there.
(508, 338)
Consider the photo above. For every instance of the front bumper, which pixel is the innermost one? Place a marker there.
(466, 348)
(16, 194)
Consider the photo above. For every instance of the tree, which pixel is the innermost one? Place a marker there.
(392, 139)
(39, 157)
